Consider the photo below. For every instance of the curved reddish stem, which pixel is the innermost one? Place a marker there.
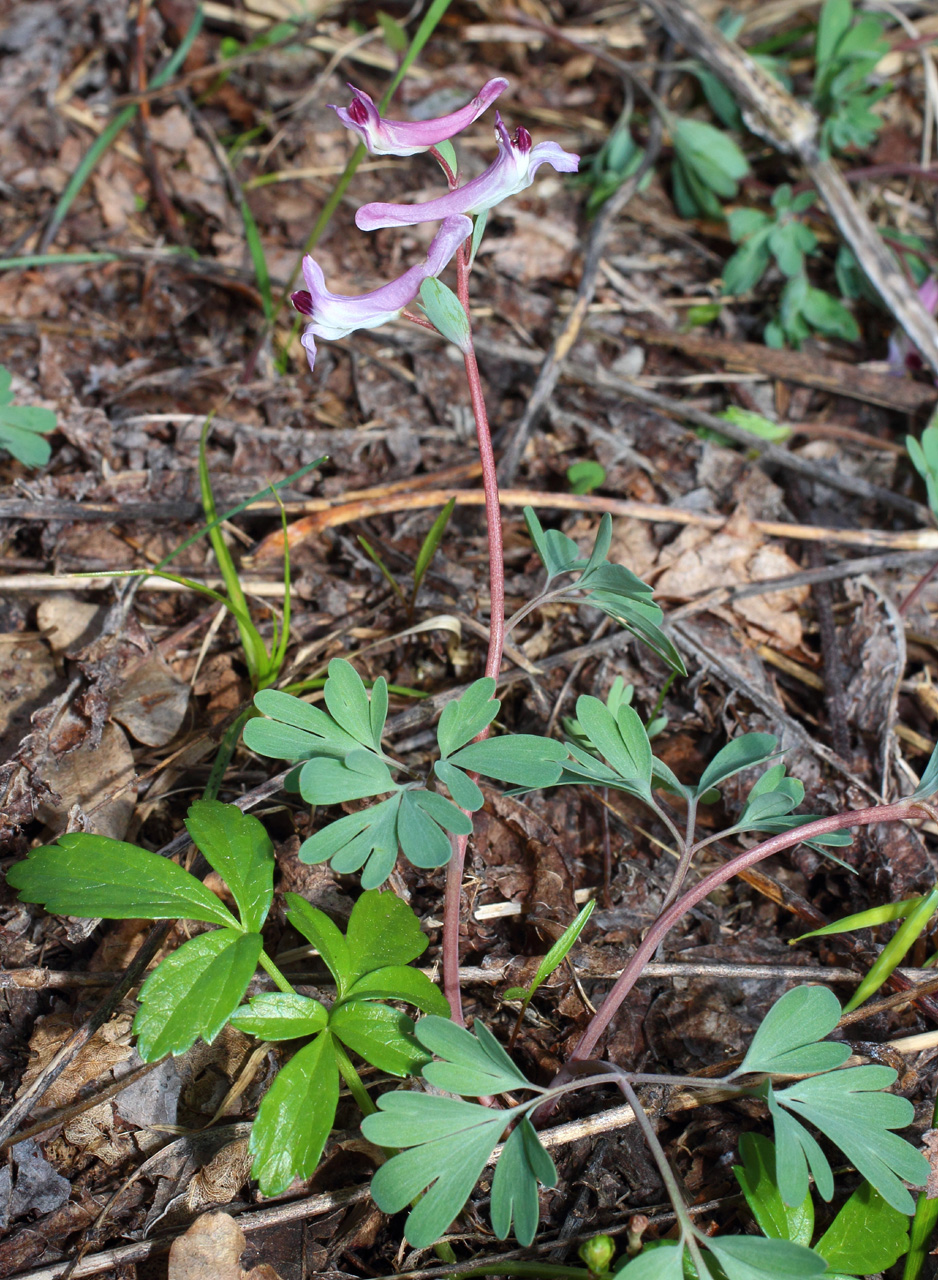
(669, 918)
(452, 899)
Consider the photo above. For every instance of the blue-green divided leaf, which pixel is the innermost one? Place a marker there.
(239, 849)
(929, 783)
(280, 1015)
(519, 758)
(409, 1119)
(89, 875)
(295, 730)
(757, 1178)
(622, 740)
(382, 931)
(359, 777)
(367, 839)
(325, 936)
(558, 553)
(452, 1164)
(753, 1258)
(466, 716)
(795, 1151)
(868, 1235)
(378, 710)
(194, 992)
(475, 1065)
(424, 843)
(522, 1164)
(600, 546)
(851, 1110)
(347, 700)
(442, 811)
(381, 1035)
(461, 787)
(640, 616)
(787, 1039)
(741, 753)
(445, 311)
(296, 1117)
(401, 982)
(663, 1262)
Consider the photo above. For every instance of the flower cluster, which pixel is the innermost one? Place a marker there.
(334, 315)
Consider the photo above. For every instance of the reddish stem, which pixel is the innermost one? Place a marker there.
(452, 900)
(669, 918)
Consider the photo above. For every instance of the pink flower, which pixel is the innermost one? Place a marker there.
(511, 172)
(903, 355)
(334, 315)
(401, 138)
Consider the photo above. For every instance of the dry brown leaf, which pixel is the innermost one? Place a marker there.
(211, 1250)
(107, 1048)
(222, 1178)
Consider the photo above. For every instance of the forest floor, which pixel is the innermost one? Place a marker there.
(113, 702)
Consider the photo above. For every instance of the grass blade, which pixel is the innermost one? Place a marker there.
(429, 547)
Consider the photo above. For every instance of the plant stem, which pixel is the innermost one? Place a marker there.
(454, 871)
(271, 969)
(904, 810)
(353, 1080)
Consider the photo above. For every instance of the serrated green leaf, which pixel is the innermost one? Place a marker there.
(381, 1035)
(295, 730)
(867, 1235)
(519, 758)
(401, 982)
(466, 716)
(295, 1117)
(475, 1065)
(280, 1015)
(236, 845)
(382, 931)
(347, 700)
(790, 1038)
(325, 936)
(850, 1108)
(744, 752)
(757, 1178)
(522, 1164)
(359, 776)
(754, 1258)
(194, 992)
(89, 875)
(461, 787)
(445, 312)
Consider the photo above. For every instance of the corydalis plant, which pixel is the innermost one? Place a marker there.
(409, 138)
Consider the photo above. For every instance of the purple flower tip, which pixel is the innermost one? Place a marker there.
(404, 138)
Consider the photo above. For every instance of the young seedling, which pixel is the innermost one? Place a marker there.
(22, 427)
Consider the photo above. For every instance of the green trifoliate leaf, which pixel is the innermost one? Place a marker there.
(519, 758)
(787, 1041)
(381, 1035)
(382, 931)
(296, 1117)
(851, 1110)
(325, 936)
(445, 311)
(868, 1235)
(522, 1164)
(295, 730)
(347, 700)
(475, 1065)
(280, 1015)
(401, 982)
(753, 1258)
(758, 1180)
(452, 1162)
(367, 839)
(461, 787)
(89, 875)
(194, 992)
(359, 777)
(239, 849)
(741, 753)
(466, 716)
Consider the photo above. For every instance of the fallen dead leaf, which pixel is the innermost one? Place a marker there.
(211, 1250)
